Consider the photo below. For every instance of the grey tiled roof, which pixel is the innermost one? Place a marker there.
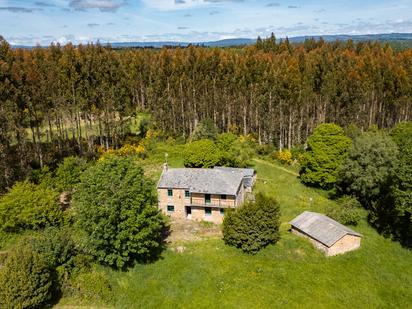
(248, 174)
(321, 227)
(246, 171)
(202, 180)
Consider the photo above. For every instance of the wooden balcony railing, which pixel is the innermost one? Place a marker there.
(212, 204)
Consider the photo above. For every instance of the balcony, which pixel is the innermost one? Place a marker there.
(212, 204)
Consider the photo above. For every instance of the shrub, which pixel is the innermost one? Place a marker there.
(203, 153)
(284, 156)
(56, 245)
(126, 150)
(252, 226)
(348, 212)
(235, 152)
(67, 174)
(27, 206)
(25, 279)
(42, 176)
(327, 149)
(144, 125)
(92, 287)
(115, 206)
(265, 149)
(205, 129)
(225, 141)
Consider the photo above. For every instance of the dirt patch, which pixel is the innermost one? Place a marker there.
(189, 231)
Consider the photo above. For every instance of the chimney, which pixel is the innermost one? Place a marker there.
(165, 167)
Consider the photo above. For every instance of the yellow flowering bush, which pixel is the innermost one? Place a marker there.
(284, 156)
(248, 138)
(154, 134)
(125, 151)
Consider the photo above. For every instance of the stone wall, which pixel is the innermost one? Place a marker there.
(345, 244)
(198, 214)
(178, 200)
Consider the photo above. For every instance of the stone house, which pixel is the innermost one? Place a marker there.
(203, 194)
(325, 234)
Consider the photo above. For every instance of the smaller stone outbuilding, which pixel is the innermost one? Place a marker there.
(325, 233)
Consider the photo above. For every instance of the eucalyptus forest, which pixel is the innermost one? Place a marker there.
(69, 99)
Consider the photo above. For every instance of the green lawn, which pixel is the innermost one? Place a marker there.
(290, 274)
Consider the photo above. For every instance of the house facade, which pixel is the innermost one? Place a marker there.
(202, 194)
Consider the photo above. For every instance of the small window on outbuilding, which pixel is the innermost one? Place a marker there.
(170, 208)
(187, 194)
(223, 196)
(169, 192)
(208, 211)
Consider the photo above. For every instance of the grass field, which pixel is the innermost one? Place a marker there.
(290, 274)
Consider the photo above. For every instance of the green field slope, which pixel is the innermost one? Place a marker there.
(290, 274)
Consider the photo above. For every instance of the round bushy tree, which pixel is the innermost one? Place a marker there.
(327, 149)
(367, 169)
(252, 226)
(115, 205)
(28, 206)
(203, 153)
(25, 279)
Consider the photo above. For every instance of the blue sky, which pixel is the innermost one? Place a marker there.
(79, 21)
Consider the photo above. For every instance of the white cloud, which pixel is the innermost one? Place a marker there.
(102, 5)
(168, 5)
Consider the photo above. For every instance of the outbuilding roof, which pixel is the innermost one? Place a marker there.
(203, 180)
(321, 228)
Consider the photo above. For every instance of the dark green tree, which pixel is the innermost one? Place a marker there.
(401, 190)
(25, 279)
(366, 172)
(254, 225)
(327, 149)
(115, 205)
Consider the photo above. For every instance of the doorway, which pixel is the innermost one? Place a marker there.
(188, 212)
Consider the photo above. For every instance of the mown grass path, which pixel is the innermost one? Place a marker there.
(276, 166)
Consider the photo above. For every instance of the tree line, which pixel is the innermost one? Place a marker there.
(65, 100)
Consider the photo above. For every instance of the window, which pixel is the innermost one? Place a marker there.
(169, 192)
(207, 199)
(170, 208)
(222, 211)
(187, 194)
(208, 211)
(223, 196)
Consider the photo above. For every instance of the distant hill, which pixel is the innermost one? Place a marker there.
(220, 43)
(363, 37)
(386, 37)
